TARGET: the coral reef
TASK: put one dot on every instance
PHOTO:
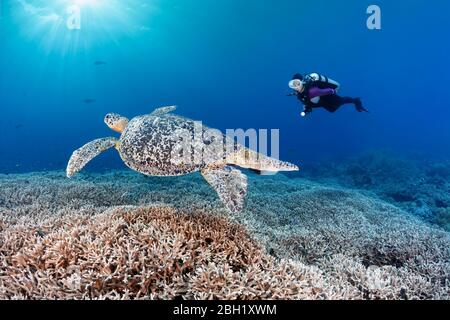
(122, 235)
(419, 187)
(133, 253)
(373, 249)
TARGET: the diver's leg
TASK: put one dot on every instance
(333, 102)
(357, 102)
(331, 108)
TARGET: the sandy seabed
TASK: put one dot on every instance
(122, 235)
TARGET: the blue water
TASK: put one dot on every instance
(226, 63)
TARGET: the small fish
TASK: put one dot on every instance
(99, 63)
(18, 126)
(89, 101)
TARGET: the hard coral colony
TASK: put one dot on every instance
(106, 236)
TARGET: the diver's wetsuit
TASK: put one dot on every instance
(332, 102)
(320, 92)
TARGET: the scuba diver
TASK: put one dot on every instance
(318, 91)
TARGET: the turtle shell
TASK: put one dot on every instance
(171, 145)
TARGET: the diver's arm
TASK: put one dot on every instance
(306, 110)
(317, 92)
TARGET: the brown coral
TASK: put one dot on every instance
(153, 252)
(105, 236)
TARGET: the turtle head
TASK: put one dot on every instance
(116, 122)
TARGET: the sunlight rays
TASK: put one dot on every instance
(93, 21)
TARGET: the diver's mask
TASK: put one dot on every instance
(296, 85)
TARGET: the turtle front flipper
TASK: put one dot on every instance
(162, 111)
(230, 184)
(88, 152)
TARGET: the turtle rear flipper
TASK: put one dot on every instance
(258, 162)
(86, 153)
(230, 184)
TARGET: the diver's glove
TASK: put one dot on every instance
(306, 111)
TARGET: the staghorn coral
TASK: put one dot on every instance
(135, 253)
(419, 187)
(115, 236)
(327, 227)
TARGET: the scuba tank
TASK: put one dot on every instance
(316, 80)
(321, 81)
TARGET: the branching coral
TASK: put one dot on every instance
(327, 227)
(153, 252)
(419, 187)
(125, 236)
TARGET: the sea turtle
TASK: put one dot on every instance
(165, 144)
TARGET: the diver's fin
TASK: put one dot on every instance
(230, 184)
(88, 152)
(246, 158)
(359, 106)
(164, 110)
